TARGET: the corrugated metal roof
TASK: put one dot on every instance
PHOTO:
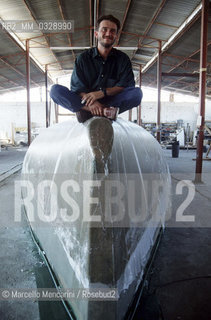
(145, 23)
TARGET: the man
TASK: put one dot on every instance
(102, 83)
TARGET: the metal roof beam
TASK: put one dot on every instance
(2, 91)
(181, 30)
(151, 23)
(123, 21)
(165, 25)
(15, 69)
(141, 36)
(193, 85)
(182, 91)
(154, 18)
(181, 58)
(174, 82)
(69, 38)
(177, 74)
(34, 18)
(181, 62)
(184, 83)
(83, 48)
(13, 82)
(21, 46)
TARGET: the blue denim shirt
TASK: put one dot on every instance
(93, 73)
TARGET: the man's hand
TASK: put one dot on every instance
(96, 109)
(91, 97)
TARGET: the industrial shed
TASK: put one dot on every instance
(168, 43)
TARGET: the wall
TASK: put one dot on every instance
(171, 112)
(15, 112)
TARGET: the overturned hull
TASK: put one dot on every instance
(100, 196)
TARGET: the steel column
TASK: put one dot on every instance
(56, 112)
(130, 115)
(139, 107)
(158, 91)
(94, 42)
(56, 108)
(49, 112)
(202, 86)
(28, 92)
(46, 97)
(90, 22)
(97, 10)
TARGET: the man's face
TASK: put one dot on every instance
(106, 33)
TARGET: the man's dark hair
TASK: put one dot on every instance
(110, 18)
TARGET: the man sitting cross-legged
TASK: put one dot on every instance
(102, 83)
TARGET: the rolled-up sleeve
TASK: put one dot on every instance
(78, 81)
(126, 76)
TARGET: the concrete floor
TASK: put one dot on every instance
(10, 161)
(20, 263)
(180, 279)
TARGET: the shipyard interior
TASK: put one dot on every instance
(159, 266)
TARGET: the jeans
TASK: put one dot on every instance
(127, 99)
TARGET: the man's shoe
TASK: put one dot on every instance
(111, 113)
(101, 135)
(83, 115)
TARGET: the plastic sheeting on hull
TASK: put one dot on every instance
(100, 196)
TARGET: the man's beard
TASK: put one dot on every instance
(106, 45)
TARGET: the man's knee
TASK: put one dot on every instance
(134, 94)
(138, 94)
(57, 90)
(54, 90)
